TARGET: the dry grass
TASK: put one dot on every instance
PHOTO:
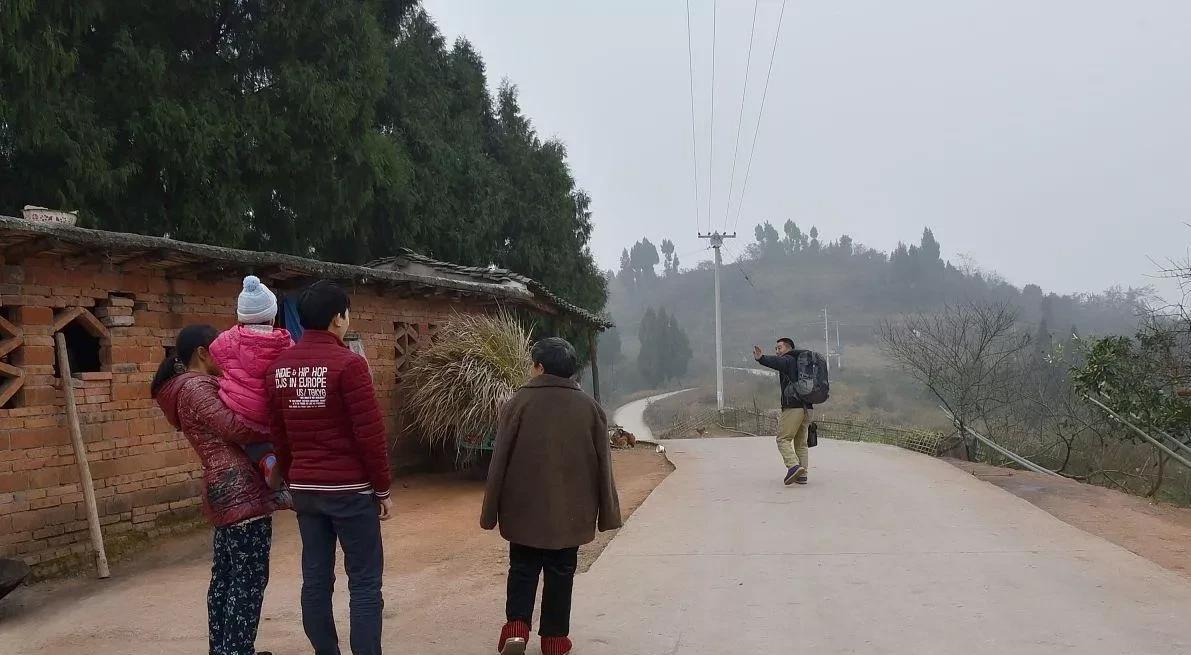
(457, 384)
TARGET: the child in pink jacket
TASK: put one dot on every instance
(244, 353)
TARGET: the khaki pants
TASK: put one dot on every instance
(791, 436)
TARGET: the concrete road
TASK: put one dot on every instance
(632, 416)
(884, 551)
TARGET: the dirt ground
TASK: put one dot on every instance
(444, 582)
(1158, 532)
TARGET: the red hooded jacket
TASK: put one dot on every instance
(327, 427)
(233, 489)
(245, 353)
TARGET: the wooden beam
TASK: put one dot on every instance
(65, 317)
(172, 263)
(9, 345)
(272, 272)
(221, 272)
(10, 385)
(11, 330)
(80, 455)
(18, 253)
(11, 372)
(595, 365)
(184, 269)
(138, 254)
(75, 258)
(92, 325)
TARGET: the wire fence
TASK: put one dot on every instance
(844, 428)
(694, 424)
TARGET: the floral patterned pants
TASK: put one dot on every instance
(239, 574)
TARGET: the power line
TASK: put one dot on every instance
(711, 133)
(766, 301)
(684, 255)
(694, 149)
(765, 91)
(747, 277)
(740, 119)
(694, 252)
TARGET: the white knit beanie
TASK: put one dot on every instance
(256, 305)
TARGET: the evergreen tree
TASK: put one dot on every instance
(793, 240)
(769, 243)
(221, 123)
(678, 347)
(845, 245)
(930, 250)
(626, 267)
(651, 334)
(1043, 339)
(899, 263)
(610, 354)
(665, 348)
(668, 251)
(241, 124)
(643, 258)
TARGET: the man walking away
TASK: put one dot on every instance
(549, 485)
(796, 415)
(331, 448)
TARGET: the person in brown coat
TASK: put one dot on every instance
(550, 485)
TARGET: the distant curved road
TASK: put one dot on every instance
(631, 417)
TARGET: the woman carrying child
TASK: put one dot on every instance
(236, 499)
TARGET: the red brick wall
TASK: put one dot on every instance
(146, 476)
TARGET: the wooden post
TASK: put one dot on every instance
(80, 455)
(595, 365)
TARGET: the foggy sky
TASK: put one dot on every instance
(1048, 140)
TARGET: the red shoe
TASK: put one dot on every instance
(556, 645)
(513, 638)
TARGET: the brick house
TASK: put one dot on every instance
(119, 300)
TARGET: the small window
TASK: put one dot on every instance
(82, 350)
(86, 341)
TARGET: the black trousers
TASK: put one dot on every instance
(526, 565)
(351, 520)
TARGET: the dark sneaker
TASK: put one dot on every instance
(801, 479)
(793, 473)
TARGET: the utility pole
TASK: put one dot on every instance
(839, 352)
(826, 339)
(717, 242)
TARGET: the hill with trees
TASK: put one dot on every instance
(779, 284)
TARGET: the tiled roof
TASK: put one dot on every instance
(20, 239)
(490, 274)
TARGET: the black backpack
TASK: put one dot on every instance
(810, 385)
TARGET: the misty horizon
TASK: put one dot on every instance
(1047, 143)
